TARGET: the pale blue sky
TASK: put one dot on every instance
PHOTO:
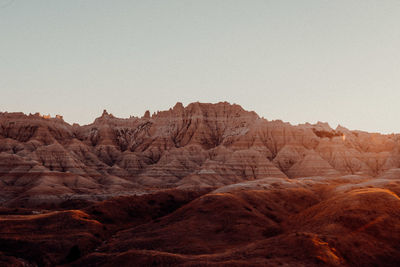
(299, 61)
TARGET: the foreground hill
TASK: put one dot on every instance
(268, 222)
(205, 184)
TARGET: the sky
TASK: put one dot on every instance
(298, 61)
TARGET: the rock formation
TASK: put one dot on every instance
(201, 145)
(205, 183)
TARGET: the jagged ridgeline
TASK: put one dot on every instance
(46, 160)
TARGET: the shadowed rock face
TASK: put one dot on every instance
(196, 185)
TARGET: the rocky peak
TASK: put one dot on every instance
(105, 114)
(146, 115)
(105, 117)
(178, 106)
(322, 126)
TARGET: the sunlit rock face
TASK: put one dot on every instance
(200, 145)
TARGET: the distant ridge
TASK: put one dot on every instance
(200, 145)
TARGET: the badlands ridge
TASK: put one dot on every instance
(205, 184)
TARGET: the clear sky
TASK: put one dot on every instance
(299, 61)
